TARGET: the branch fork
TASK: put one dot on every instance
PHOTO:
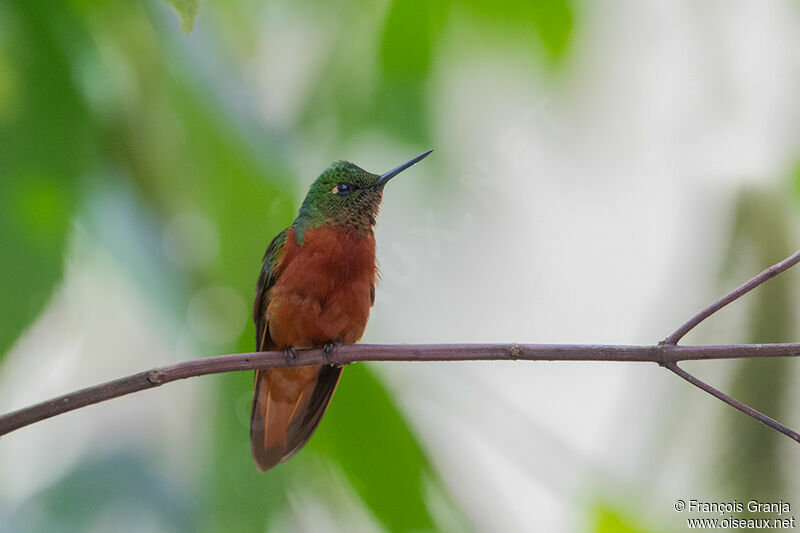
(678, 334)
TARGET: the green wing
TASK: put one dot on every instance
(266, 280)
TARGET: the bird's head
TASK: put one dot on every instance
(347, 195)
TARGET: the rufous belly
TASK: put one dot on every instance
(323, 291)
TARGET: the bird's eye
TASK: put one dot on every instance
(343, 189)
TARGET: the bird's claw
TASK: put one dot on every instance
(327, 352)
(291, 355)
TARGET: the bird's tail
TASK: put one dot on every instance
(287, 406)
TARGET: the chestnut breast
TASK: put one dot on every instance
(323, 290)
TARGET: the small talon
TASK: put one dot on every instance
(291, 355)
(327, 351)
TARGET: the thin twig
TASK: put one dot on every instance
(769, 273)
(384, 352)
(746, 409)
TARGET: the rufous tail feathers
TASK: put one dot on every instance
(287, 406)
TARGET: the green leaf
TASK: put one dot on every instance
(552, 22)
(411, 32)
(35, 208)
(187, 10)
(46, 134)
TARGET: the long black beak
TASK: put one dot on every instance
(395, 171)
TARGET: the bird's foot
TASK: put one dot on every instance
(327, 351)
(291, 355)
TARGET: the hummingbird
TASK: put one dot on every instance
(316, 288)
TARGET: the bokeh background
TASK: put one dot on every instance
(602, 171)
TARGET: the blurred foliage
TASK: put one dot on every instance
(796, 182)
(111, 116)
(187, 10)
(761, 232)
(609, 519)
(352, 97)
(41, 165)
(104, 492)
(552, 20)
(413, 27)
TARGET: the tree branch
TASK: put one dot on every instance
(666, 354)
(663, 355)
